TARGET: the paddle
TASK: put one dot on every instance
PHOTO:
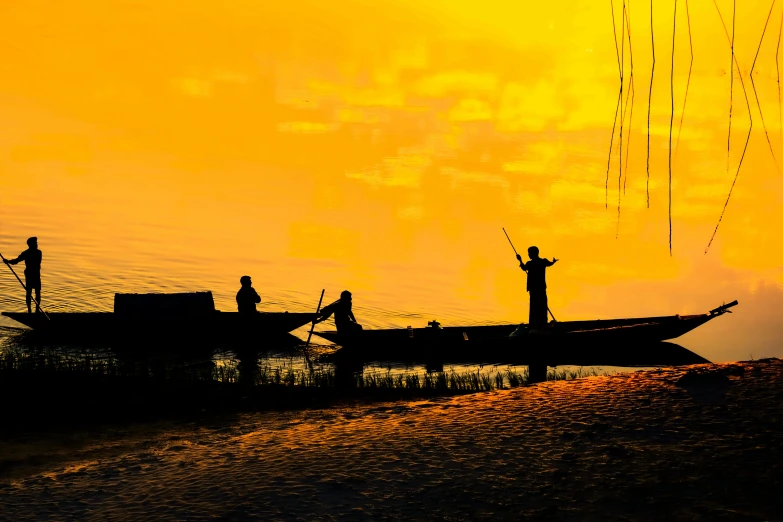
(38, 304)
(520, 260)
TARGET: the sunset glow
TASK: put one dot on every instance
(381, 146)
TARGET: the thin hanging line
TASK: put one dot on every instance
(777, 67)
(631, 95)
(616, 110)
(649, 100)
(747, 139)
(671, 125)
(756, 94)
(622, 81)
(731, 84)
(688, 83)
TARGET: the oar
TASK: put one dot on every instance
(515, 251)
(37, 303)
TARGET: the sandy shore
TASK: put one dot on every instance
(665, 444)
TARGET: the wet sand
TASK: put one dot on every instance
(688, 443)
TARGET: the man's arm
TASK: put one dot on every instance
(256, 297)
(521, 263)
(550, 263)
(15, 261)
(325, 313)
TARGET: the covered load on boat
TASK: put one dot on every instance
(191, 304)
(174, 316)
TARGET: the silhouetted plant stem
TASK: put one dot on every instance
(622, 80)
(671, 125)
(688, 83)
(649, 100)
(616, 110)
(756, 94)
(631, 95)
(750, 128)
(731, 84)
(777, 68)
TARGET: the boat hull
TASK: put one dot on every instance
(621, 342)
(212, 327)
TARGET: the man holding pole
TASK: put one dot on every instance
(536, 285)
(32, 272)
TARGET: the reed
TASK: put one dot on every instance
(565, 374)
(96, 388)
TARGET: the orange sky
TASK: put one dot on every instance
(381, 146)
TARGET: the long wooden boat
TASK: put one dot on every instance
(163, 317)
(618, 342)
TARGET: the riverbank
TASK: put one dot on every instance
(688, 443)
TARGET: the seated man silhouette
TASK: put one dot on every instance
(344, 319)
(32, 272)
(536, 285)
(247, 297)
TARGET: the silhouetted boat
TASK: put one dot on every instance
(190, 316)
(618, 342)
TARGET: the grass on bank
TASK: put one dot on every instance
(56, 385)
(106, 367)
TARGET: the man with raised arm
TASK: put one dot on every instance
(32, 272)
(536, 285)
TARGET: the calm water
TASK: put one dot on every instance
(161, 147)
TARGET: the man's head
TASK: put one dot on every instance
(245, 281)
(345, 295)
(532, 252)
(32, 242)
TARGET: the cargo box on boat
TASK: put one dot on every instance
(173, 320)
(164, 305)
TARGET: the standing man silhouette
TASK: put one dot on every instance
(32, 272)
(536, 285)
(247, 297)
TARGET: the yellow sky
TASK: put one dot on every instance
(382, 145)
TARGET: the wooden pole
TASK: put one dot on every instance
(307, 355)
(316, 315)
(509, 241)
(37, 303)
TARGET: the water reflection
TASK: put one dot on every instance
(285, 363)
(385, 162)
